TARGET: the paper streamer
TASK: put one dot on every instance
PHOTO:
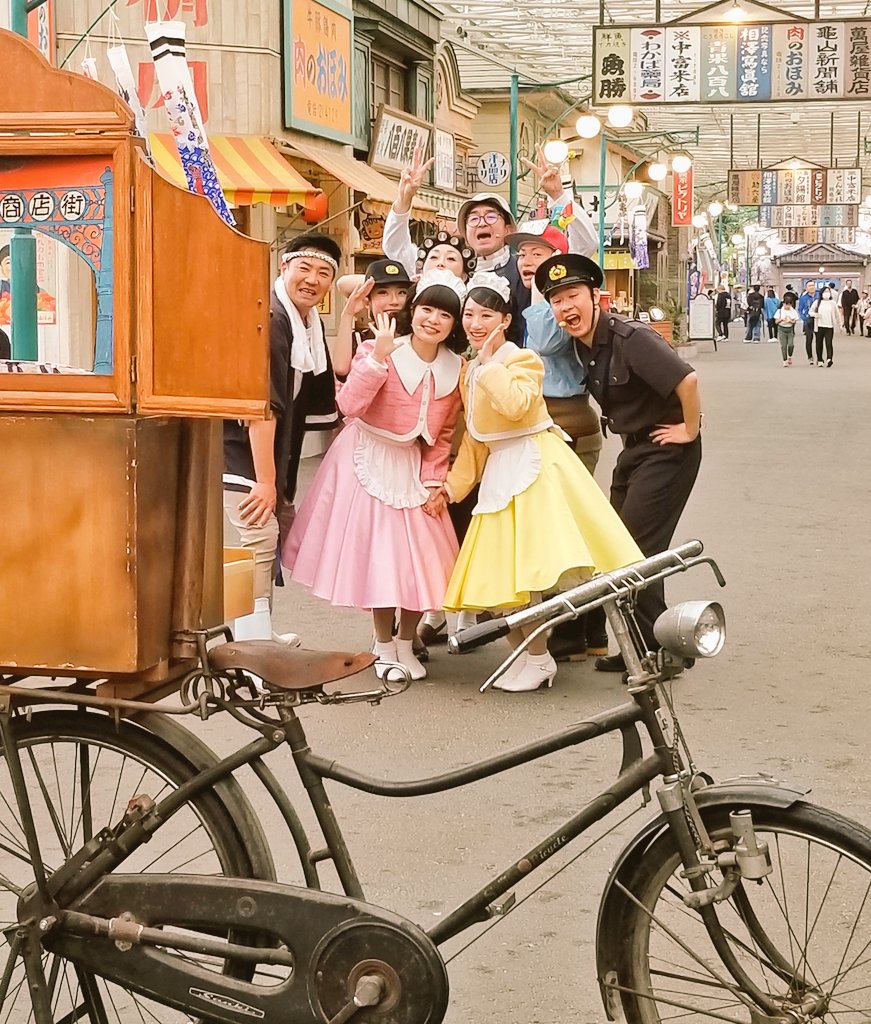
(119, 61)
(167, 42)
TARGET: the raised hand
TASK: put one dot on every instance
(494, 340)
(384, 330)
(548, 175)
(358, 300)
(411, 179)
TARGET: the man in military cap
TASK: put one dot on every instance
(648, 395)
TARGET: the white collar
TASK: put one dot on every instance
(495, 261)
(411, 369)
(506, 349)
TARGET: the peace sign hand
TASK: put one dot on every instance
(385, 337)
(494, 340)
(411, 179)
(549, 179)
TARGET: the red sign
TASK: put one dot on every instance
(167, 10)
(682, 199)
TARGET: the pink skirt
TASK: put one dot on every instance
(355, 551)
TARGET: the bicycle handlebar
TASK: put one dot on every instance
(597, 590)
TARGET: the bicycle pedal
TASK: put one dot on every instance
(503, 907)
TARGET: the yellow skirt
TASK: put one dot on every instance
(562, 523)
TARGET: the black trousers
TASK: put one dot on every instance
(849, 318)
(650, 488)
(723, 321)
(825, 336)
(809, 337)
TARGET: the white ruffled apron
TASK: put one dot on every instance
(512, 465)
(389, 470)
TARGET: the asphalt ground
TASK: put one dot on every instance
(782, 503)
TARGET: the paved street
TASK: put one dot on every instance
(782, 503)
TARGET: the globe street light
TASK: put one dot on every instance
(555, 151)
(681, 163)
(657, 171)
(715, 209)
(737, 239)
(700, 220)
(588, 126)
(620, 116)
(633, 189)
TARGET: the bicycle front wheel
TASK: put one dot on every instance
(802, 935)
(81, 770)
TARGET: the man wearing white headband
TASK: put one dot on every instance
(261, 458)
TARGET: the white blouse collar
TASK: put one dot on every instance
(506, 349)
(411, 369)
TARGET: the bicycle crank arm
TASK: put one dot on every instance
(324, 944)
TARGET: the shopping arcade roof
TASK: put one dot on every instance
(551, 40)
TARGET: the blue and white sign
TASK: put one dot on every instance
(493, 168)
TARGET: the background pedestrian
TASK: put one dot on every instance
(786, 318)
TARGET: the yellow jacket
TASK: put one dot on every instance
(502, 400)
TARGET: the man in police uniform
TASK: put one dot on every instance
(649, 396)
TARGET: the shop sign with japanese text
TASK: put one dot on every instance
(395, 137)
(800, 186)
(725, 63)
(808, 236)
(809, 216)
(682, 199)
(317, 55)
(445, 167)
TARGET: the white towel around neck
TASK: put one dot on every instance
(305, 356)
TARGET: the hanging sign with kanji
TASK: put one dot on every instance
(796, 186)
(682, 199)
(726, 63)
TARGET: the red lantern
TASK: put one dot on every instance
(316, 207)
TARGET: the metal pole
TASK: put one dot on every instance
(22, 252)
(603, 152)
(513, 112)
(720, 241)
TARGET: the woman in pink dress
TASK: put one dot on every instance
(361, 538)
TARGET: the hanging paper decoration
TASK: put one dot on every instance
(561, 216)
(167, 42)
(640, 255)
(89, 68)
(119, 61)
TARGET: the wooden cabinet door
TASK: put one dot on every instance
(201, 325)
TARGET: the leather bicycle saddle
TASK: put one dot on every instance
(284, 668)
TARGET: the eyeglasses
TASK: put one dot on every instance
(474, 219)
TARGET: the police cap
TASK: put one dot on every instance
(561, 270)
(388, 272)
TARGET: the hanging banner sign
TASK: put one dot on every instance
(808, 216)
(723, 63)
(638, 245)
(803, 186)
(808, 236)
(682, 199)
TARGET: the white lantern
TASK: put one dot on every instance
(555, 151)
(620, 116)
(588, 126)
(633, 189)
(715, 209)
(657, 171)
(681, 163)
(700, 220)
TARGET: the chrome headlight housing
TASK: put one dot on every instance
(693, 629)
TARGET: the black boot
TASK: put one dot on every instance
(611, 663)
(567, 641)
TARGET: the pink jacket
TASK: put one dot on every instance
(407, 398)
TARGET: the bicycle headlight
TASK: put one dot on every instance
(694, 629)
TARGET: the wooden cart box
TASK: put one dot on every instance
(110, 473)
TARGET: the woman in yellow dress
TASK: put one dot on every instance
(541, 523)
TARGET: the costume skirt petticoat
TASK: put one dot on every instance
(355, 551)
(548, 537)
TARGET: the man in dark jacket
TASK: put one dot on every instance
(755, 306)
(724, 311)
(261, 458)
(849, 301)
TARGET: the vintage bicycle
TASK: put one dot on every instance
(137, 884)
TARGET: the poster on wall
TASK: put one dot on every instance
(46, 281)
(317, 53)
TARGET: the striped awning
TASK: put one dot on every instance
(250, 169)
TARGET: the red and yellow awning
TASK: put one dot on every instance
(250, 169)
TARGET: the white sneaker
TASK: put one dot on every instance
(288, 639)
(406, 657)
(538, 671)
(511, 672)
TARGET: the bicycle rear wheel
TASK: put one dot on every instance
(802, 935)
(81, 769)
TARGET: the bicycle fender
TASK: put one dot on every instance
(189, 746)
(746, 791)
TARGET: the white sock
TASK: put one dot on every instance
(434, 619)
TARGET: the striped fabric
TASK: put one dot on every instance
(250, 169)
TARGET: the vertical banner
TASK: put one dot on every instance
(719, 55)
(682, 70)
(119, 62)
(769, 188)
(789, 61)
(167, 42)
(612, 62)
(640, 255)
(857, 69)
(754, 62)
(827, 60)
(648, 64)
(682, 199)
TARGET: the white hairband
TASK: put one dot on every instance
(446, 278)
(317, 254)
